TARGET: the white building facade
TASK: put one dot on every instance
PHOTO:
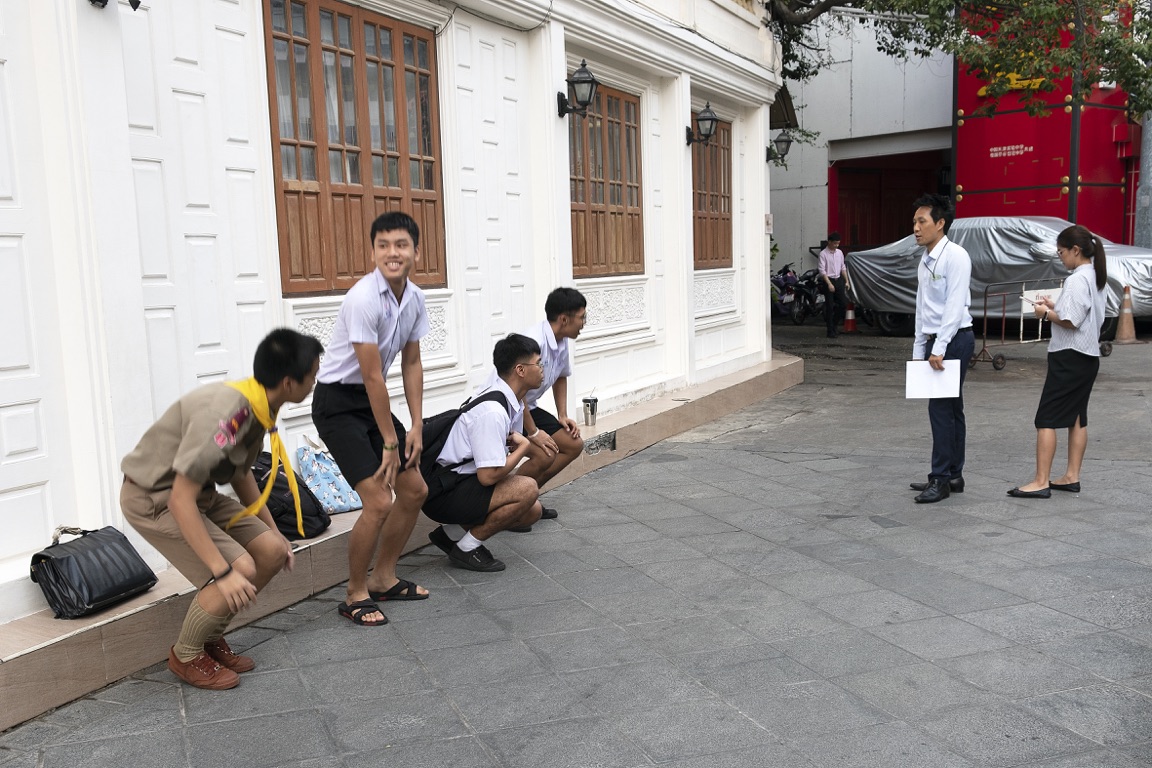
(177, 180)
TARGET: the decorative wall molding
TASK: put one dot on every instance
(715, 292)
(648, 40)
(320, 327)
(436, 341)
(422, 14)
(616, 305)
(315, 316)
(519, 14)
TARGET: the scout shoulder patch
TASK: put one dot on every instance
(230, 427)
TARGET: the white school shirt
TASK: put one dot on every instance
(942, 297)
(555, 355)
(479, 438)
(1082, 304)
(370, 314)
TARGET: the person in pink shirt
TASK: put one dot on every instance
(835, 283)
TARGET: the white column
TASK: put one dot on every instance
(81, 90)
(754, 231)
(680, 341)
(548, 158)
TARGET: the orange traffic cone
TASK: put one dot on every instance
(1125, 327)
(850, 318)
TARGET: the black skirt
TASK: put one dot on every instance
(1067, 388)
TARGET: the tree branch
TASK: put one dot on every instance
(798, 14)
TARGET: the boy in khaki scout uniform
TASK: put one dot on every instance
(211, 436)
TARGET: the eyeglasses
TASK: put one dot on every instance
(541, 365)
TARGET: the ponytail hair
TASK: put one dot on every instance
(1090, 245)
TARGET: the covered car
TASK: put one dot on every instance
(1004, 250)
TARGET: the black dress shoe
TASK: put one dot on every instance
(1070, 487)
(1043, 493)
(955, 485)
(520, 529)
(549, 514)
(936, 490)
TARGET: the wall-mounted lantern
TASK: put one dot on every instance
(705, 126)
(583, 86)
(783, 143)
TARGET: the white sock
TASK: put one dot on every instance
(468, 543)
(454, 532)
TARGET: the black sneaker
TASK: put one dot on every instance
(441, 540)
(548, 514)
(479, 559)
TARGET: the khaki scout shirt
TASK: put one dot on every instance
(210, 434)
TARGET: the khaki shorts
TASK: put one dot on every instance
(147, 512)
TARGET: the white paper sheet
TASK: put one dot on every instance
(922, 381)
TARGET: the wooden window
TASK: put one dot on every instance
(712, 199)
(355, 131)
(604, 163)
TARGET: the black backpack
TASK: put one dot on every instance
(316, 519)
(437, 428)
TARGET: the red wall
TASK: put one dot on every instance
(1013, 164)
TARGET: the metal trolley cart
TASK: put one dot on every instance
(1012, 295)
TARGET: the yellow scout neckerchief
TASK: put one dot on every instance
(258, 398)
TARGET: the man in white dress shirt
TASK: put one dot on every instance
(943, 332)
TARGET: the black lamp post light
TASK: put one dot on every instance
(783, 142)
(583, 86)
(705, 126)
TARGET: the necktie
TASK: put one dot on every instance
(258, 399)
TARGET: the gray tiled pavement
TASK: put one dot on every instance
(758, 592)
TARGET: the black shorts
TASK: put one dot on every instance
(1067, 388)
(545, 422)
(343, 417)
(457, 498)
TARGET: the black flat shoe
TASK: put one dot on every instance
(1043, 493)
(1070, 487)
(955, 485)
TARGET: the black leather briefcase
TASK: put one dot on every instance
(90, 573)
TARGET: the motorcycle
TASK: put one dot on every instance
(783, 290)
(809, 298)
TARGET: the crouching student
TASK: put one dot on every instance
(473, 492)
(211, 436)
(556, 440)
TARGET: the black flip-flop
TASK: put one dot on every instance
(401, 590)
(355, 612)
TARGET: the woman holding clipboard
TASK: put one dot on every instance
(1073, 361)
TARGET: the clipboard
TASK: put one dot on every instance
(922, 382)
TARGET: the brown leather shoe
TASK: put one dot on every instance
(226, 657)
(203, 672)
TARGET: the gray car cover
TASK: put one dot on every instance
(1016, 250)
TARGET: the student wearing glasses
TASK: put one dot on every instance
(1073, 361)
(474, 493)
